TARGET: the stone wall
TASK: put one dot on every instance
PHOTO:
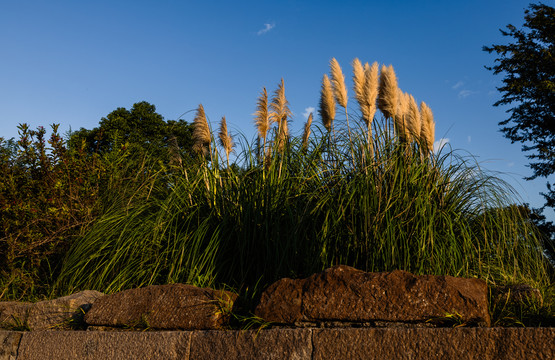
(345, 343)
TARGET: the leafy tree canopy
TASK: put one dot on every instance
(141, 129)
(528, 63)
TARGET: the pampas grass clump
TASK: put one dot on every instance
(315, 203)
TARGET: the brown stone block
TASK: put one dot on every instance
(13, 314)
(9, 343)
(47, 314)
(174, 306)
(265, 344)
(440, 343)
(342, 293)
(93, 345)
(59, 312)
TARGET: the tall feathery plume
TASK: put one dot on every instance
(306, 132)
(280, 113)
(338, 81)
(427, 133)
(262, 118)
(174, 152)
(414, 125)
(388, 92)
(359, 82)
(327, 103)
(401, 115)
(201, 133)
(280, 106)
(371, 81)
(370, 92)
(340, 91)
(226, 141)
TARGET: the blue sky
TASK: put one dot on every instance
(73, 62)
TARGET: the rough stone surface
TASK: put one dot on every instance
(60, 345)
(515, 294)
(48, 314)
(174, 306)
(9, 344)
(13, 314)
(348, 343)
(444, 343)
(293, 344)
(60, 312)
(342, 293)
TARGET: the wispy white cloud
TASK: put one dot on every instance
(438, 144)
(466, 93)
(469, 138)
(457, 85)
(267, 27)
(307, 111)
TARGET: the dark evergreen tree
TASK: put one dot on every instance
(528, 64)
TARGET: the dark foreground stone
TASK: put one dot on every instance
(49, 314)
(517, 294)
(349, 343)
(174, 306)
(264, 344)
(441, 343)
(9, 344)
(343, 293)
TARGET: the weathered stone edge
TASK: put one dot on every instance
(348, 343)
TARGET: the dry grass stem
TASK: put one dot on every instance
(427, 133)
(327, 103)
(201, 132)
(338, 81)
(225, 138)
(388, 92)
(306, 132)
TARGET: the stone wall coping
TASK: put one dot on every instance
(284, 343)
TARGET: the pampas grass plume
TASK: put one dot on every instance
(201, 131)
(261, 116)
(280, 106)
(338, 81)
(306, 132)
(388, 92)
(327, 103)
(225, 138)
(358, 81)
(401, 114)
(413, 118)
(427, 133)
(370, 91)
